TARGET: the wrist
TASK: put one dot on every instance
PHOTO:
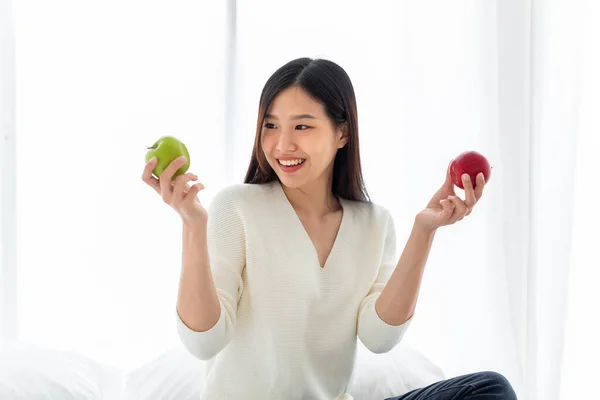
(422, 229)
(195, 229)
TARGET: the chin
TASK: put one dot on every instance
(290, 182)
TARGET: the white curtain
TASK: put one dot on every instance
(510, 288)
(98, 253)
(581, 353)
(8, 293)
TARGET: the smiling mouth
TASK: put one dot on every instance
(291, 163)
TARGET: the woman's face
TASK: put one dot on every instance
(299, 140)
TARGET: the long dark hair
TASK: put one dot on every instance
(329, 84)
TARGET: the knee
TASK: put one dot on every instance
(498, 383)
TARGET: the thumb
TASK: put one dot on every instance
(449, 183)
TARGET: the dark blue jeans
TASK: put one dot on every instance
(487, 385)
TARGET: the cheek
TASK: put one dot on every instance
(267, 143)
(324, 152)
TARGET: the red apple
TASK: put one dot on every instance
(472, 163)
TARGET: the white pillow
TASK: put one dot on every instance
(379, 376)
(177, 375)
(29, 372)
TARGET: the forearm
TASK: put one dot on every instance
(197, 301)
(397, 302)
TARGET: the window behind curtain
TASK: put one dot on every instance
(98, 251)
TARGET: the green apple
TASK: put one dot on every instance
(167, 149)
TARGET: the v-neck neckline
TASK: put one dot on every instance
(306, 237)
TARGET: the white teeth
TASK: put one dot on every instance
(289, 163)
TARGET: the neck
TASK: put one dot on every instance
(316, 198)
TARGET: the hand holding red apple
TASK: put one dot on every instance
(468, 171)
(472, 163)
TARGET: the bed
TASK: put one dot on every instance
(32, 372)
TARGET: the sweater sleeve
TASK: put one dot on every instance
(373, 332)
(227, 256)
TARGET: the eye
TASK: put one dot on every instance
(269, 125)
(302, 129)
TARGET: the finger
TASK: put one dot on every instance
(180, 186)
(166, 178)
(447, 210)
(479, 185)
(147, 175)
(460, 208)
(193, 192)
(470, 199)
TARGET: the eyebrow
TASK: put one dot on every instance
(300, 116)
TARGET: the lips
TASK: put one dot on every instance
(291, 162)
(290, 165)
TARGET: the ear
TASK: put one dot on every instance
(342, 136)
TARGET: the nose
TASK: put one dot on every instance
(286, 141)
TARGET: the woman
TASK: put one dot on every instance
(287, 270)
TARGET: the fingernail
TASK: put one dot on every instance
(152, 160)
(465, 177)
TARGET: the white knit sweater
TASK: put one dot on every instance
(288, 328)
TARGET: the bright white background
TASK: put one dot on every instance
(512, 288)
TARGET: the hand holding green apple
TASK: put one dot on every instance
(168, 160)
(166, 149)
